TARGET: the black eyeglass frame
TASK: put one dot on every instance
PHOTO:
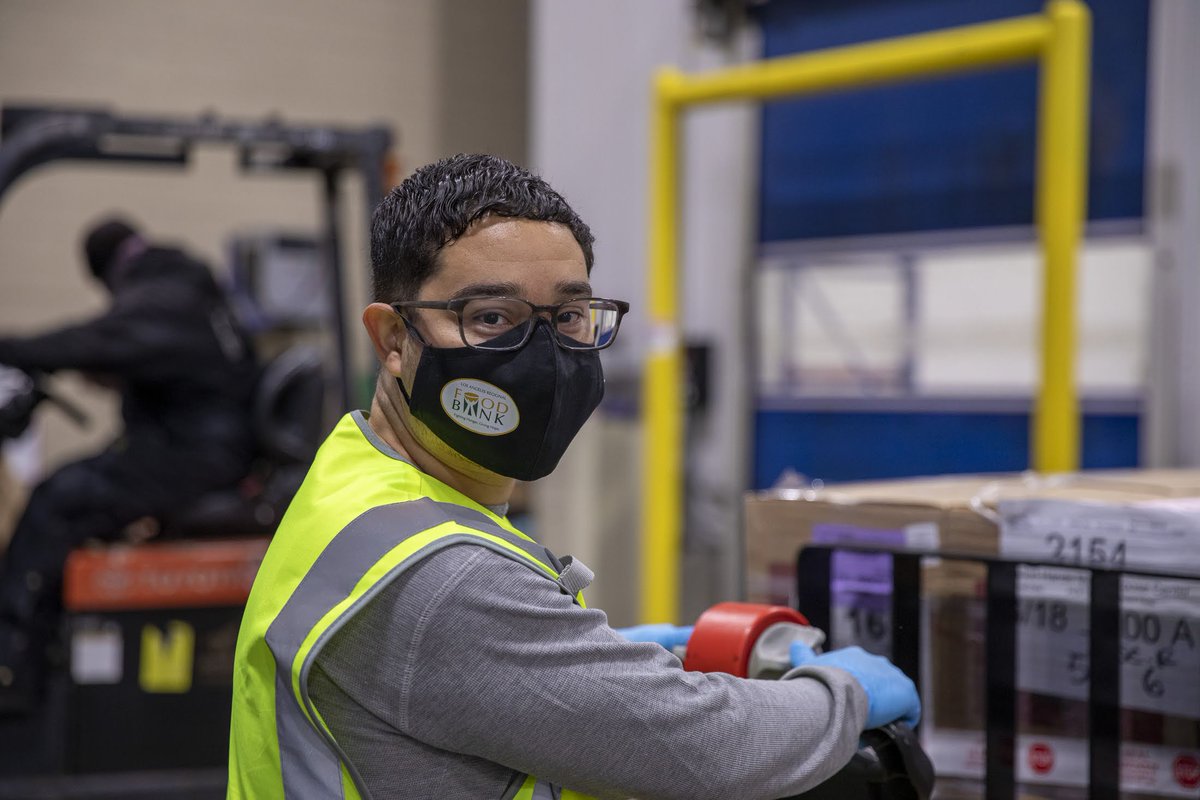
(457, 304)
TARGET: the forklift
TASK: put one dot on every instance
(138, 695)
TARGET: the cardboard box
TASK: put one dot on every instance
(1139, 517)
(961, 509)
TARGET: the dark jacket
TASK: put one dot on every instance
(185, 370)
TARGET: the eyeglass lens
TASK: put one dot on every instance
(580, 324)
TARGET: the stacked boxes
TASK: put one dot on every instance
(1135, 519)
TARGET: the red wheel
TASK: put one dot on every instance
(725, 635)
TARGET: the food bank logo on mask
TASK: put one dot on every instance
(480, 407)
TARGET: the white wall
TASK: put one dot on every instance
(592, 64)
(978, 319)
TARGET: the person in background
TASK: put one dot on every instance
(185, 372)
(404, 639)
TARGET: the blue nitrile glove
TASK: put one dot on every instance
(669, 636)
(890, 693)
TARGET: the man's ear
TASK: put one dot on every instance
(388, 335)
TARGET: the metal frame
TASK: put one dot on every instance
(803, 289)
(1059, 40)
(33, 136)
(813, 573)
(1171, 427)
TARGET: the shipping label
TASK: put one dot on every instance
(1159, 617)
(1058, 761)
(1160, 535)
(97, 651)
(861, 590)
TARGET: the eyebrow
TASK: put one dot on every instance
(564, 288)
(575, 288)
(487, 290)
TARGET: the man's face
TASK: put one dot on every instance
(536, 261)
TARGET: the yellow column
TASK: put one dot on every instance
(662, 385)
(1061, 211)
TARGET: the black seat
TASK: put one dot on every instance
(288, 414)
(289, 406)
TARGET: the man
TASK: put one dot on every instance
(404, 640)
(186, 374)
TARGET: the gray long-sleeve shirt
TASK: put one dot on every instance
(470, 667)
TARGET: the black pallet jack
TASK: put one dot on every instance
(752, 641)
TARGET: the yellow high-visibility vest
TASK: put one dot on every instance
(360, 519)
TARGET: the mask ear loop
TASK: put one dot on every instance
(411, 331)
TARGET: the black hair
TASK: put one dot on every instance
(102, 241)
(438, 203)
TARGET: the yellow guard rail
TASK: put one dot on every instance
(1059, 40)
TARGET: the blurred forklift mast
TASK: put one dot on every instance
(31, 136)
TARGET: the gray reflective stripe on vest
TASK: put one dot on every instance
(308, 766)
(307, 762)
(573, 575)
(480, 521)
(541, 789)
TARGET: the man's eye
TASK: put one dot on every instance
(490, 319)
(569, 318)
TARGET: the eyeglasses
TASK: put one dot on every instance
(585, 323)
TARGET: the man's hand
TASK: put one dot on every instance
(669, 636)
(891, 695)
(142, 530)
(18, 398)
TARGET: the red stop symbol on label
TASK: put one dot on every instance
(1041, 758)
(1187, 771)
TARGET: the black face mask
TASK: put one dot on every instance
(511, 412)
